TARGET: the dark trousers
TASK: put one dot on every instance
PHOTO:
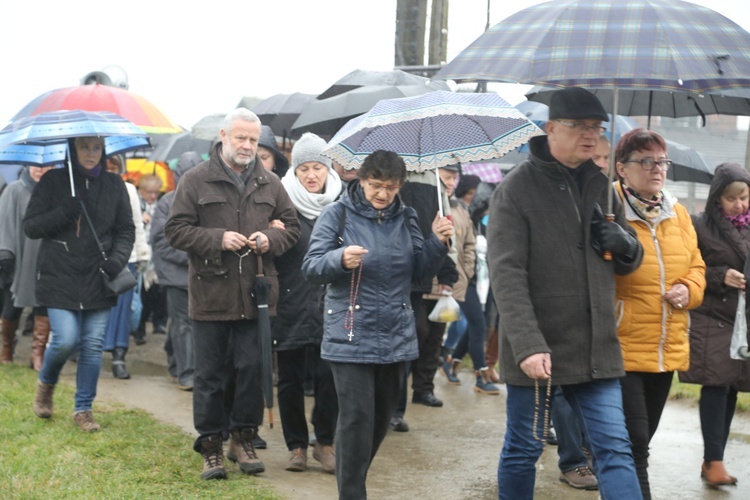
(430, 338)
(154, 308)
(211, 341)
(473, 340)
(416, 306)
(180, 335)
(367, 395)
(291, 397)
(717, 407)
(643, 398)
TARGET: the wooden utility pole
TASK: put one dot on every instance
(411, 21)
(438, 33)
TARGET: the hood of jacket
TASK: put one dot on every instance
(267, 139)
(725, 174)
(187, 161)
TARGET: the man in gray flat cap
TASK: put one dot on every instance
(555, 293)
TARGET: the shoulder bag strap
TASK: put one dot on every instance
(91, 225)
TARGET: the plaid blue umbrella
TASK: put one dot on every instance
(433, 130)
(652, 44)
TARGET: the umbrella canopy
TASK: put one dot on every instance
(169, 150)
(326, 117)
(43, 139)
(261, 290)
(652, 44)
(361, 78)
(96, 97)
(281, 110)
(647, 102)
(434, 130)
(486, 171)
(207, 128)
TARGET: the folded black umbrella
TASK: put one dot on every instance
(261, 290)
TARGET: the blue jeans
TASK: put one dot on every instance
(456, 332)
(70, 329)
(598, 406)
(569, 436)
(117, 332)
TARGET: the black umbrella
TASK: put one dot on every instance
(172, 147)
(261, 289)
(361, 78)
(281, 110)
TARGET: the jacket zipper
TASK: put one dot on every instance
(662, 286)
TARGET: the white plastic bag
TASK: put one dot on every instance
(446, 310)
(482, 271)
(738, 347)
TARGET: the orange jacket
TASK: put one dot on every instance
(653, 335)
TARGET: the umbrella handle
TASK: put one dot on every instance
(258, 252)
(270, 418)
(607, 255)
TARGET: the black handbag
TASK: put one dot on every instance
(121, 283)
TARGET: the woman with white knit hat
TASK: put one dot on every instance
(312, 185)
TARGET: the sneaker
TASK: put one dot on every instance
(398, 424)
(447, 370)
(483, 385)
(581, 478)
(297, 461)
(426, 398)
(326, 455)
(242, 452)
(85, 421)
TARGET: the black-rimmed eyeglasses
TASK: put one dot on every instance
(649, 163)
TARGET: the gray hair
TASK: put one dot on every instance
(239, 114)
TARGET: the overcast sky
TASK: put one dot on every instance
(196, 58)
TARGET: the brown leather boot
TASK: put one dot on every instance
(43, 399)
(212, 452)
(491, 354)
(39, 344)
(715, 474)
(242, 452)
(9, 336)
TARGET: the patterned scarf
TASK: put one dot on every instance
(740, 221)
(647, 210)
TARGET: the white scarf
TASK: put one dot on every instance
(311, 204)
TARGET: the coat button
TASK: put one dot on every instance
(242, 315)
(723, 299)
(721, 324)
(330, 311)
(593, 370)
(356, 307)
(562, 187)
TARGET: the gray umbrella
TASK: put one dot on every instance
(360, 78)
(325, 117)
(207, 128)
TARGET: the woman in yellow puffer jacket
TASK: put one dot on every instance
(653, 302)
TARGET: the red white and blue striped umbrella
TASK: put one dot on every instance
(633, 44)
(433, 130)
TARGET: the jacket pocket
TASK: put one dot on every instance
(212, 210)
(336, 324)
(210, 287)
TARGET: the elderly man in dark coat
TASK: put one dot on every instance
(555, 295)
(220, 208)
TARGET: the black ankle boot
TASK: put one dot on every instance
(118, 363)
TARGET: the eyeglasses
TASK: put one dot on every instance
(582, 128)
(649, 163)
(377, 187)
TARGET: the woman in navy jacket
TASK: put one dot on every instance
(367, 247)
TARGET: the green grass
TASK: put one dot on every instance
(133, 456)
(693, 391)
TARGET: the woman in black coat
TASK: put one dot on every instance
(70, 267)
(312, 185)
(724, 240)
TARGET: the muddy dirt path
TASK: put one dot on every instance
(450, 452)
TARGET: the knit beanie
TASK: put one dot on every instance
(308, 148)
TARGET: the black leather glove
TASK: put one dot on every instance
(611, 236)
(72, 207)
(111, 268)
